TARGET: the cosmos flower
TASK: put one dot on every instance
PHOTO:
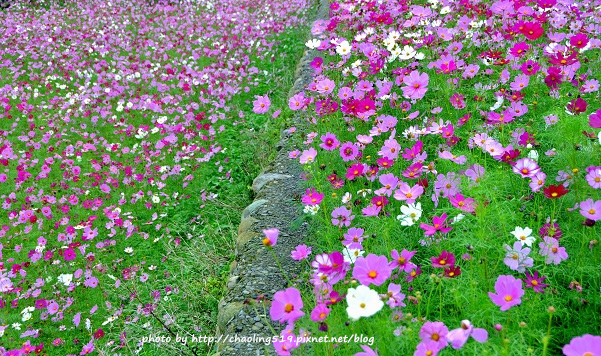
(458, 337)
(372, 269)
(362, 302)
(286, 306)
(261, 105)
(583, 345)
(508, 292)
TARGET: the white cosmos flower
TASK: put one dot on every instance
(65, 279)
(362, 302)
(407, 53)
(351, 255)
(343, 48)
(523, 235)
(410, 214)
(533, 155)
(498, 104)
(346, 197)
(312, 44)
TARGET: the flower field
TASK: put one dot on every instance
(452, 158)
(453, 173)
(121, 124)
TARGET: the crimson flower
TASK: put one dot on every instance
(555, 191)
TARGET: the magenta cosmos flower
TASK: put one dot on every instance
(444, 260)
(417, 85)
(312, 197)
(458, 337)
(329, 142)
(286, 306)
(509, 292)
(589, 345)
(372, 269)
(439, 225)
(261, 105)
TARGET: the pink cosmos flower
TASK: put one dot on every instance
(301, 252)
(286, 306)
(320, 312)
(372, 269)
(550, 248)
(517, 257)
(261, 105)
(341, 216)
(526, 167)
(579, 40)
(462, 203)
(325, 86)
(402, 260)
(297, 101)
(271, 237)
(508, 292)
(389, 182)
(535, 282)
(520, 82)
(407, 193)
(308, 156)
(593, 178)
(439, 225)
(348, 151)
(417, 85)
(591, 209)
(583, 345)
(367, 351)
(394, 295)
(52, 308)
(458, 337)
(329, 142)
(353, 238)
(428, 348)
(434, 331)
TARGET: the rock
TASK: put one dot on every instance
(263, 179)
(249, 210)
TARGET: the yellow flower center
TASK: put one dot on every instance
(288, 308)
(372, 274)
(508, 298)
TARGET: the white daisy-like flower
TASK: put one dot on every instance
(410, 214)
(128, 250)
(362, 302)
(346, 197)
(343, 48)
(523, 235)
(65, 279)
(351, 255)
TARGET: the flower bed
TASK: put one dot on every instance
(453, 181)
(115, 123)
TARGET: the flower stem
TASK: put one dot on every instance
(277, 260)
